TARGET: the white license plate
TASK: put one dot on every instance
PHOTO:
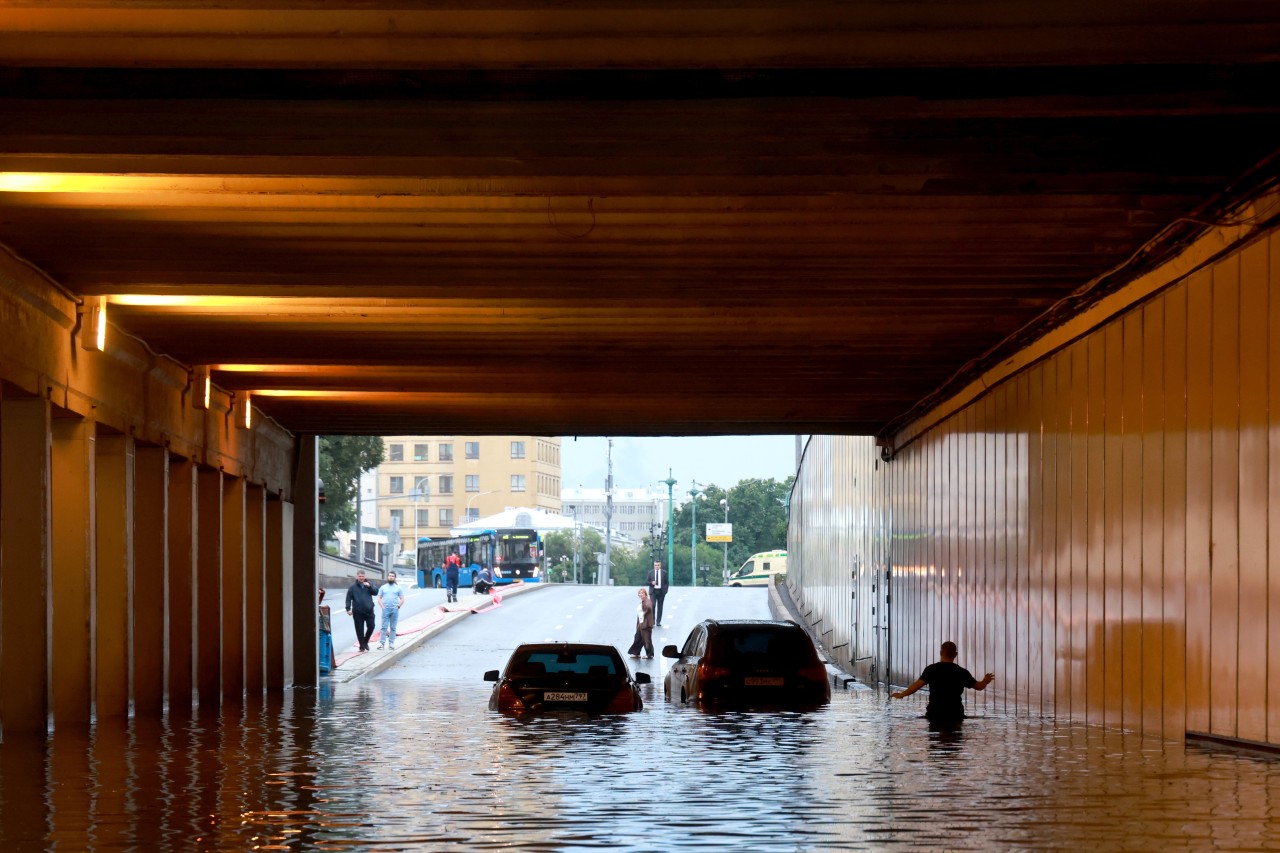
(763, 682)
(552, 696)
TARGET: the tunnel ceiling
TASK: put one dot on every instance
(616, 218)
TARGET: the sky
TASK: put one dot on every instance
(638, 462)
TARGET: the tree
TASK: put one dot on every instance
(343, 458)
(758, 512)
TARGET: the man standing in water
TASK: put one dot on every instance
(946, 680)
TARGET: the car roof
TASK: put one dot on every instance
(559, 647)
(752, 624)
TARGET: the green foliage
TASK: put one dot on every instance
(758, 513)
(342, 459)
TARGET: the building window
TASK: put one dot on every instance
(446, 517)
(446, 484)
(473, 449)
(473, 513)
(420, 453)
(517, 450)
(517, 482)
(473, 482)
(395, 485)
(397, 518)
(395, 452)
(424, 518)
(422, 487)
(446, 453)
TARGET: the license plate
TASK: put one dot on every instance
(763, 682)
(552, 696)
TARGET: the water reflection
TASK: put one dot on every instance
(411, 765)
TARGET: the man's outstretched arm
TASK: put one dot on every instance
(915, 685)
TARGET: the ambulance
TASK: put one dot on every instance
(758, 568)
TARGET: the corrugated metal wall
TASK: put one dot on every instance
(1097, 530)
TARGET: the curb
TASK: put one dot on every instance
(413, 632)
(781, 608)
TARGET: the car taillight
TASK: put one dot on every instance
(707, 672)
(815, 672)
(622, 702)
(509, 700)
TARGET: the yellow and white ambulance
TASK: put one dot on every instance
(758, 568)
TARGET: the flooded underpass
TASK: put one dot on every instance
(413, 760)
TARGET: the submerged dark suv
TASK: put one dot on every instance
(747, 662)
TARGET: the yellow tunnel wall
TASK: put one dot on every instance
(1099, 529)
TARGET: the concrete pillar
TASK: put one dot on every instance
(25, 563)
(277, 544)
(254, 591)
(306, 530)
(150, 572)
(113, 493)
(180, 657)
(73, 556)
(233, 573)
(208, 588)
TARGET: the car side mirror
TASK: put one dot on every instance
(670, 652)
(491, 675)
(642, 678)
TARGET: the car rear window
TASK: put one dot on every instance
(585, 663)
(770, 643)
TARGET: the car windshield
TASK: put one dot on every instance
(552, 662)
(728, 645)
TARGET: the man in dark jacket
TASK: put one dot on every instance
(360, 608)
(657, 590)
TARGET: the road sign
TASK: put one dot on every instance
(719, 532)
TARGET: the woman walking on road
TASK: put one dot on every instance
(644, 626)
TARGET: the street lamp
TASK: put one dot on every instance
(694, 491)
(724, 504)
(671, 553)
(473, 497)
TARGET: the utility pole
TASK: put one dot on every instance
(606, 571)
(694, 491)
(671, 545)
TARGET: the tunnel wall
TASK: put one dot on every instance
(1100, 526)
(142, 556)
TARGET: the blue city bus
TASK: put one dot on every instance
(512, 553)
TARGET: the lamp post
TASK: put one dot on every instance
(671, 553)
(694, 491)
(473, 497)
(724, 504)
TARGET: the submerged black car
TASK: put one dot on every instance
(747, 662)
(542, 677)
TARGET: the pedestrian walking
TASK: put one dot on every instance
(452, 566)
(360, 608)
(390, 599)
(657, 591)
(644, 626)
(946, 681)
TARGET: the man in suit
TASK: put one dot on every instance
(657, 590)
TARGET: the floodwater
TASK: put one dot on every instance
(404, 764)
(413, 760)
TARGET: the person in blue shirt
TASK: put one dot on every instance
(946, 681)
(390, 599)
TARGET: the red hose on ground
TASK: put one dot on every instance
(437, 615)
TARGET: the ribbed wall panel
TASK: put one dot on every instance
(1096, 529)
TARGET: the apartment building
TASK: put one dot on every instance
(429, 484)
(637, 513)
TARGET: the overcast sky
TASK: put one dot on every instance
(640, 462)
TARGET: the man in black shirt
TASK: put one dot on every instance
(360, 608)
(946, 681)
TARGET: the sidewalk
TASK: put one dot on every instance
(415, 629)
